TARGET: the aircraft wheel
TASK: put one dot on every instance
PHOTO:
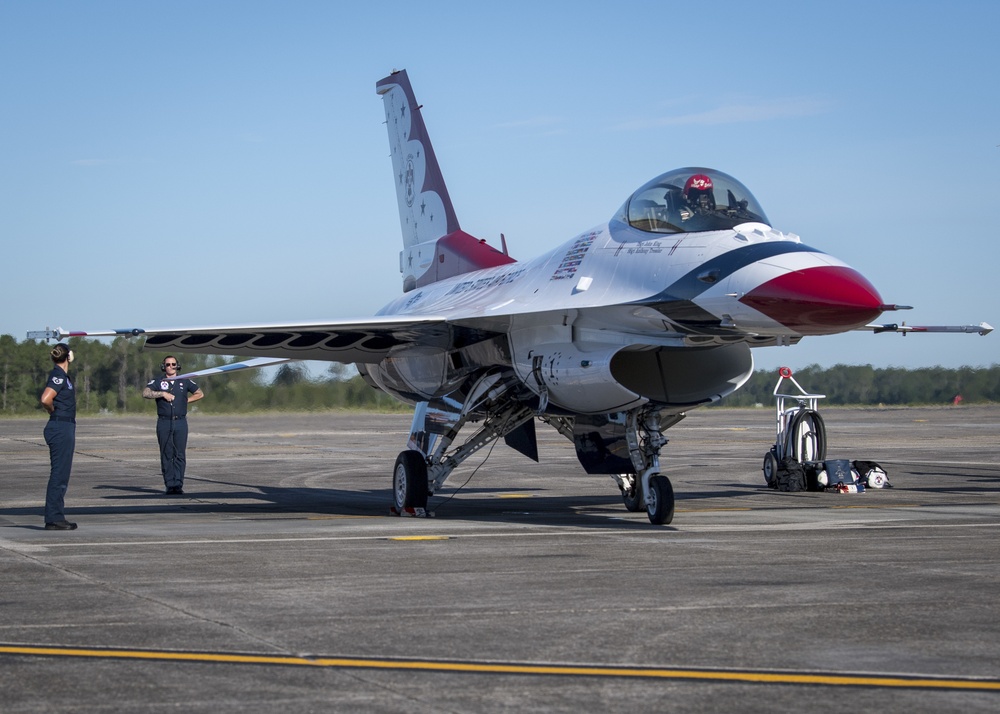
(660, 504)
(633, 496)
(409, 481)
(770, 469)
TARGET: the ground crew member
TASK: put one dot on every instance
(59, 400)
(171, 395)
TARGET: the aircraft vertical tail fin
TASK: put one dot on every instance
(434, 245)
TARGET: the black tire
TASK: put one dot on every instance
(633, 497)
(409, 481)
(660, 505)
(770, 469)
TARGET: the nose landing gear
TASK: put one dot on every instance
(643, 431)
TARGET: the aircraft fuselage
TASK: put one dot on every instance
(590, 321)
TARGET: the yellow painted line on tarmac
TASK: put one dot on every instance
(746, 676)
(516, 495)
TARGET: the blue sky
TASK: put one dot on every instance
(202, 163)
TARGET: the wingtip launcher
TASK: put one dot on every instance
(983, 328)
(59, 333)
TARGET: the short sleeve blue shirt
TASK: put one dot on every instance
(64, 403)
(180, 388)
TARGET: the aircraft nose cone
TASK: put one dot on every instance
(817, 301)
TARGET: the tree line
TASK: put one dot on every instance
(866, 385)
(110, 377)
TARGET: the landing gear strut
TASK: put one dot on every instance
(631, 492)
(643, 431)
(423, 468)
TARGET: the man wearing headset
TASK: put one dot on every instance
(171, 395)
(59, 400)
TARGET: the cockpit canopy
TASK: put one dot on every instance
(690, 200)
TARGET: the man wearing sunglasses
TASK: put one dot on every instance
(171, 395)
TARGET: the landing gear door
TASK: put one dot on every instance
(601, 444)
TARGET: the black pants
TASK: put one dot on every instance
(61, 438)
(173, 437)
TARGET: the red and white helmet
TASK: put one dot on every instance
(700, 183)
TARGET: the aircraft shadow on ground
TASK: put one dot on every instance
(514, 505)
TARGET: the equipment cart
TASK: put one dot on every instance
(801, 434)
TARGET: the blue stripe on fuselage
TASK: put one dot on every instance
(688, 287)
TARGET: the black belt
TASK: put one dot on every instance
(173, 418)
(71, 420)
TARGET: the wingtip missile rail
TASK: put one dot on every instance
(983, 328)
(59, 333)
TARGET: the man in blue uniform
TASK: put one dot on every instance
(59, 400)
(171, 395)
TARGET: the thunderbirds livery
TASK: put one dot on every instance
(609, 338)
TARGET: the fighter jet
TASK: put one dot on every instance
(610, 338)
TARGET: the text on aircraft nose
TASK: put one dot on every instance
(817, 301)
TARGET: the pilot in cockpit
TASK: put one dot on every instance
(684, 201)
(699, 196)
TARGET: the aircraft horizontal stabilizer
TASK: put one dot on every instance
(255, 363)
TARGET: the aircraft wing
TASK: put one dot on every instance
(350, 341)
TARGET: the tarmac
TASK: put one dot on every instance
(279, 580)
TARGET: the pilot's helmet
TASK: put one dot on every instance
(699, 193)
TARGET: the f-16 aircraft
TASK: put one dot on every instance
(610, 338)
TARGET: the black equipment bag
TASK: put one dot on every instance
(791, 475)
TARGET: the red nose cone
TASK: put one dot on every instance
(817, 301)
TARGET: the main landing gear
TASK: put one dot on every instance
(409, 484)
(423, 468)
